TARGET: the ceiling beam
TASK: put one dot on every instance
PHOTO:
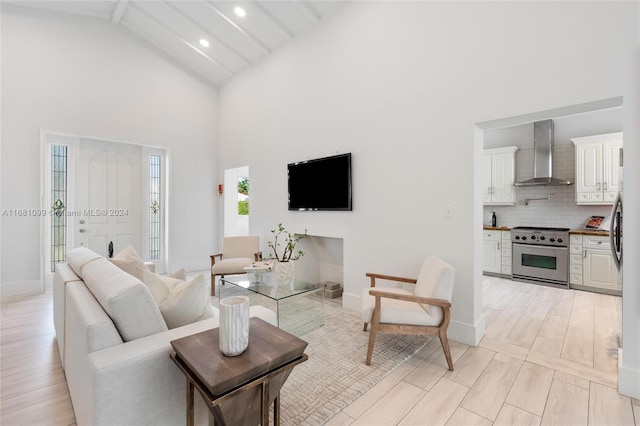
(225, 70)
(233, 51)
(279, 25)
(259, 45)
(118, 11)
(308, 11)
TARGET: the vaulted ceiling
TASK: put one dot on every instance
(216, 39)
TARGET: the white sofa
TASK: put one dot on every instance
(115, 346)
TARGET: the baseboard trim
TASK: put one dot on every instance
(351, 302)
(469, 334)
(190, 266)
(20, 288)
(628, 379)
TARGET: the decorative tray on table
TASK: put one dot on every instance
(259, 267)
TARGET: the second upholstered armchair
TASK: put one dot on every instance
(423, 310)
(237, 254)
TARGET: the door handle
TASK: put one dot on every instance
(605, 186)
(82, 230)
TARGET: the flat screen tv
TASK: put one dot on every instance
(320, 184)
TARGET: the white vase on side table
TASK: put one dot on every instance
(234, 325)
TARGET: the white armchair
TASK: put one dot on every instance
(425, 310)
(237, 253)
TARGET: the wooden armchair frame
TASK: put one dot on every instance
(378, 327)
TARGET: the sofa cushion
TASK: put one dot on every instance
(125, 299)
(180, 274)
(80, 256)
(180, 302)
(234, 265)
(129, 261)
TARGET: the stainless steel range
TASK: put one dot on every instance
(541, 255)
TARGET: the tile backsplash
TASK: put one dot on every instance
(560, 210)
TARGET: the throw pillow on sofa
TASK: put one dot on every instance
(180, 302)
(129, 261)
(124, 298)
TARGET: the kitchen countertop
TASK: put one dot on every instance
(495, 228)
(602, 233)
(598, 232)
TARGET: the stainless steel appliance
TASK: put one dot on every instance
(615, 228)
(543, 157)
(540, 255)
(615, 232)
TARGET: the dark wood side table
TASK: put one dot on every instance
(239, 390)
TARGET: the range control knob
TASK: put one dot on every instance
(542, 238)
(559, 240)
(524, 238)
(533, 237)
(552, 239)
(517, 237)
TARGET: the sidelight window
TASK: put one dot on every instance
(154, 208)
(58, 208)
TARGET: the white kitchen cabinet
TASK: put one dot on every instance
(499, 176)
(591, 265)
(575, 260)
(505, 250)
(599, 269)
(491, 252)
(597, 168)
(496, 252)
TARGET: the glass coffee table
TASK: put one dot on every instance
(299, 306)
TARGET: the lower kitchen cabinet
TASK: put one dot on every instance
(491, 252)
(496, 251)
(575, 260)
(506, 252)
(591, 265)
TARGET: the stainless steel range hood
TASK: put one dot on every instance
(543, 157)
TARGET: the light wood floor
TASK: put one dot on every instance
(549, 357)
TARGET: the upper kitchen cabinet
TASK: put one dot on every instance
(598, 168)
(499, 176)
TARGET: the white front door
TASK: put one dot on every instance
(108, 198)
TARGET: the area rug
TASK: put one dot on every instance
(335, 374)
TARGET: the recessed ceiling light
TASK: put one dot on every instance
(240, 11)
(204, 42)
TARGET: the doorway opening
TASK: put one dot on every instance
(490, 134)
(236, 201)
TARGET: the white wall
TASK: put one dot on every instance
(401, 85)
(86, 76)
